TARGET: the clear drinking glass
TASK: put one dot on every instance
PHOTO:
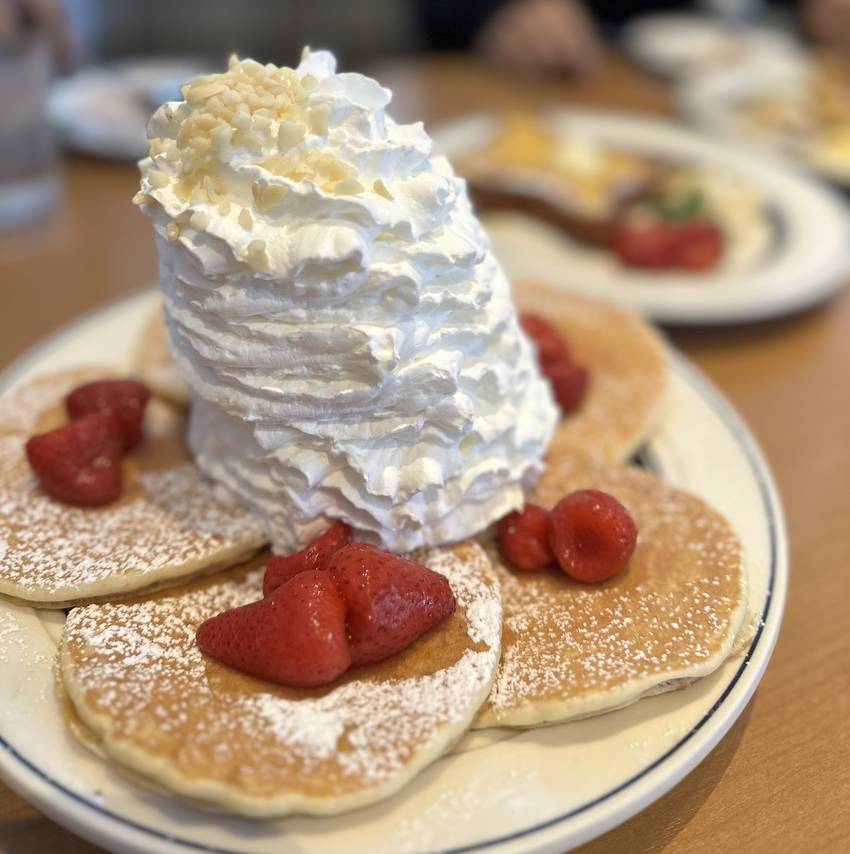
(29, 176)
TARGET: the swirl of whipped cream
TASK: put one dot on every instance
(332, 301)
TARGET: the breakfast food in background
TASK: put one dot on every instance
(693, 219)
(569, 180)
(807, 115)
(641, 210)
(159, 523)
(349, 340)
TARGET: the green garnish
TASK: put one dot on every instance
(686, 206)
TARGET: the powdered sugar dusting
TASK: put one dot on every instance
(674, 610)
(169, 520)
(52, 548)
(138, 663)
(22, 407)
(308, 728)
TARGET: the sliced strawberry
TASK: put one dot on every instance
(699, 246)
(592, 535)
(549, 343)
(126, 399)
(649, 245)
(79, 463)
(524, 539)
(280, 568)
(569, 383)
(391, 600)
(694, 245)
(295, 637)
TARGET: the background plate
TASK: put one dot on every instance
(104, 111)
(808, 260)
(541, 790)
(681, 44)
(712, 104)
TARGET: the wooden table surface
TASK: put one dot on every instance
(780, 780)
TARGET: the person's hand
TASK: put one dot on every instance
(541, 36)
(828, 22)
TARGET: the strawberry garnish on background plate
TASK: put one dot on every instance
(125, 399)
(296, 636)
(316, 555)
(700, 246)
(660, 245)
(79, 463)
(391, 600)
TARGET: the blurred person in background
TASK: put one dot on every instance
(528, 36)
(21, 18)
(568, 36)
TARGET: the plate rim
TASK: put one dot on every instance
(107, 826)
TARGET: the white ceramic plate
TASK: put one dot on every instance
(712, 103)
(540, 791)
(807, 259)
(691, 45)
(104, 111)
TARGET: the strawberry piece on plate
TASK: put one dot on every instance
(699, 247)
(524, 539)
(125, 399)
(295, 637)
(281, 568)
(694, 245)
(79, 463)
(592, 535)
(567, 379)
(569, 384)
(551, 347)
(648, 246)
(391, 600)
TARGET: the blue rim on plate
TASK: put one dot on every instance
(772, 512)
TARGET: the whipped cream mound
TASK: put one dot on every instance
(349, 340)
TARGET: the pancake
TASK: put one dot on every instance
(627, 368)
(155, 365)
(571, 650)
(169, 524)
(577, 184)
(148, 698)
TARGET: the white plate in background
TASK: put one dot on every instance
(712, 104)
(807, 260)
(104, 110)
(681, 45)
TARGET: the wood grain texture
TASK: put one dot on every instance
(779, 781)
